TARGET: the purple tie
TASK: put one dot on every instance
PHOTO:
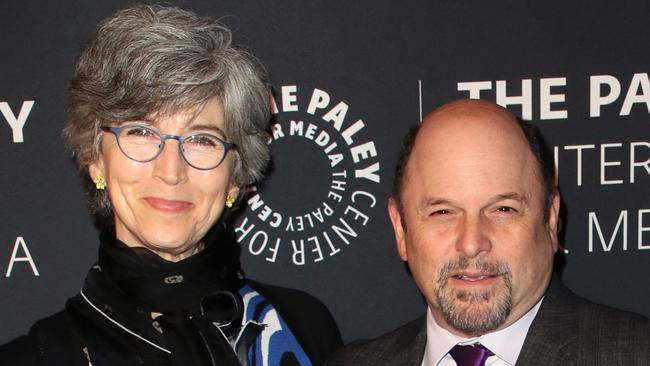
(472, 355)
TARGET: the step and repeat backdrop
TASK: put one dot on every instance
(349, 78)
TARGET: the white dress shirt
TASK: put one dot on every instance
(505, 343)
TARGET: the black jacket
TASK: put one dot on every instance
(52, 341)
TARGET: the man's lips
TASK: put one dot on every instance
(473, 277)
(170, 206)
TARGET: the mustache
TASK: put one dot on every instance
(490, 268)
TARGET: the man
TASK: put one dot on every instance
(475, 215)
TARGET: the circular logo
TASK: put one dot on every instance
(319, 191)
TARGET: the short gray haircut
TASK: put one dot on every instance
(154, 60)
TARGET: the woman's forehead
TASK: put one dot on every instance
(208, 115)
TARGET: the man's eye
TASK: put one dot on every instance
(506, 209)
(440, 212)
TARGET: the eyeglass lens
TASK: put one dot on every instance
(141, 143)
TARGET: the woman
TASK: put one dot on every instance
(169, 120)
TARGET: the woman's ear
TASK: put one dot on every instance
(231, 196)
(96, 169)
(233, 191)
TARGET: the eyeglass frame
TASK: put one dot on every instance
(227, 146)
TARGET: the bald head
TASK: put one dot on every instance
(470, 109)
(476, 130)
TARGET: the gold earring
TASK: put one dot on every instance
(230, 200)
(100, 183)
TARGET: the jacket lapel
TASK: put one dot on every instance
(553, 334)
(405, 347)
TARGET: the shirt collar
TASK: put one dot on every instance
(505, 343)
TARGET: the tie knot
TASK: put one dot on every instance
(470, 355)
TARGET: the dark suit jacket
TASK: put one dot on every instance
(567, 330)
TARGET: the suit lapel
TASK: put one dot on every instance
(407, 345)
(553, 334)
(415, 351)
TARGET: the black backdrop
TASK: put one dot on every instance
(579, 70)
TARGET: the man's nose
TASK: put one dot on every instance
(473, 238)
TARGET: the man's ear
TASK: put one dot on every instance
(396, 220)
(554, 220)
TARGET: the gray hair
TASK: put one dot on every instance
(153, 60)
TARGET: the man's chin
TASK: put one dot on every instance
(475, 311)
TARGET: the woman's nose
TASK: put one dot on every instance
(169, 166)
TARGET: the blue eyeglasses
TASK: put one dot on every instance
(142, 143)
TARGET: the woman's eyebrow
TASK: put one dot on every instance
(204, 126)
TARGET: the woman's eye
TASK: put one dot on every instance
(202, 140)
(139, 132)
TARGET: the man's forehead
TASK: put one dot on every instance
(468, 137)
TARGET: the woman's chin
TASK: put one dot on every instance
(172, 246)
(174, 252)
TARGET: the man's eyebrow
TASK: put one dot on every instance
(437, 201)
(511, 196)
(433, 201)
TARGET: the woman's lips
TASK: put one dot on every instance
(170, 206)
